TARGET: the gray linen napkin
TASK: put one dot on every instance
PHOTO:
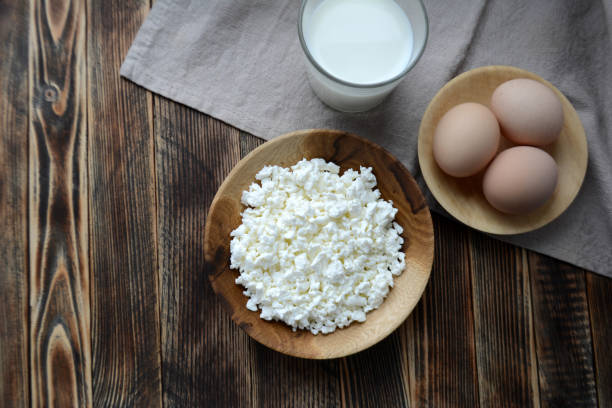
(240, 61)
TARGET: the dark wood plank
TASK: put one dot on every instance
(205, 356)
(124, 288)
(374, 377)
(505, 349)
(599, 290)
(14, 357)
(563, 334)
(248, 142)
(439, 334)
(59, 273)
(283, 381)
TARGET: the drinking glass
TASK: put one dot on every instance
(355, 97)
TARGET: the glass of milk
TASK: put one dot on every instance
(357, 51)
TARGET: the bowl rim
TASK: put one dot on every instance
(350, 349)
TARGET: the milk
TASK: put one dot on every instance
(360, 41)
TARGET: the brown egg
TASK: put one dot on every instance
(529, 112)
(520, 179)
(466, 139)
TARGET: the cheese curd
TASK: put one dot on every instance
(316, 250)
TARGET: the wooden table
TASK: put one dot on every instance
(104, 190)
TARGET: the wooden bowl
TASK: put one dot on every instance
(463, 197)
(394, 183)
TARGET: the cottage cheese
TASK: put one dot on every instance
(316, 250)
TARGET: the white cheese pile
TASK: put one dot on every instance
(316, 250)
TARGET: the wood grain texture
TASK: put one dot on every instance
(467, 343)
(205, 356)
(439, 335)
(285, 381)
(463, 197)
(248, 143)
(599, 291)
(60, 357)
(125, 295)
(507, 365)
(563, 334)
(394, 183)
(14, 329)
(374, 378)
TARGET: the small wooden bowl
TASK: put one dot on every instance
(394, 183)
(463, 197)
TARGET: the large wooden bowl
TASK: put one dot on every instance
(463, 197)
(394, 183)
